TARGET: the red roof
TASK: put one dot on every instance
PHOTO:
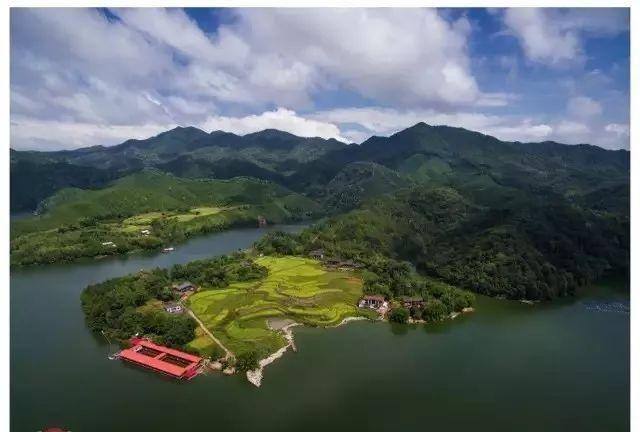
(147, 343)
(156, 362)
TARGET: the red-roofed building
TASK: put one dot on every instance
(162, 359)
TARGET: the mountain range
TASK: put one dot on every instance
(519, 220)
(486, 168)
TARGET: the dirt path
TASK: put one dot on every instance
(229, 354)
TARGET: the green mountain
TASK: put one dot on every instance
(189, 152)
(481, 166)
(520, 220)
(77, 223)
(538, 249)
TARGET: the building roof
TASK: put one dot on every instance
(185, 285)
(172, 305)
(374, 297)
(132, 354)
(411, 299)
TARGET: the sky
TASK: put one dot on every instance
(84, 77)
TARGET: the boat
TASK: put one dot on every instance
(168, 249)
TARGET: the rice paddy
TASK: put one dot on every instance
(297, 288)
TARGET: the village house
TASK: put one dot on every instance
(173, 308)
(109, 243)
(184, 287)
(332, 262)
(409, 302)
(317, 254)
(349, 265)
(372, 302)
(145, 232)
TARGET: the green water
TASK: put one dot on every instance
(506, 367)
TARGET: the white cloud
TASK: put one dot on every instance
(620, 130)
(281, 119)
(554, 36)
(263, 58)
(541, 39)
(360, 123)
(36, 134)
(385, 121)
(80, 78)
(583, 107)
(27, 133)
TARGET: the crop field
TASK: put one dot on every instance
(145, 219)
(296, 288)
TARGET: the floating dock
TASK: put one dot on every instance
(168, 361)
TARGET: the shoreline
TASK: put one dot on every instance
(255, 376)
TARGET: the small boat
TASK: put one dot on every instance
(168, 249)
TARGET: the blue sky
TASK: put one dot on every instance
(82, 77)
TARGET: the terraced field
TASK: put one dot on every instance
(296, 288)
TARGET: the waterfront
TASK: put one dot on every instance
(507, 366)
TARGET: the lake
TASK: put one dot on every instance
(508, 366)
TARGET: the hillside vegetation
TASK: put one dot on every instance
(520, 220)
(538, 249)
(83, 223)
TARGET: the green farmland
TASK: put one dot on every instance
(296, 288)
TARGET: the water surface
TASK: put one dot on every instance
(508, 366)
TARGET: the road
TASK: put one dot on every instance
(229, 354)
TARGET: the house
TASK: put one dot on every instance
(262, 221)
(332, 261)
(349, 265)
(184, 287)
(372, 301)
(145, 232)
(317, 254)
(109, 243)
(173, 308)
(409, 302)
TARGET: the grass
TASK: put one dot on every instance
(296, 288)
(144, 220)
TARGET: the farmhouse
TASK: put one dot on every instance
(173, 308)
(409, 302)
(184, 287)
(372, 301)
(349, 265)
(332, 262)
(317, 254)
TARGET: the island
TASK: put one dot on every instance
(237, 311)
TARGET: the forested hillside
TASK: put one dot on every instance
(538, 250)
(520, 220)
(434, 155)
(148, 210)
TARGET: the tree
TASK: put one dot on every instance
(247, 361)
(398, 315)
(434, 310)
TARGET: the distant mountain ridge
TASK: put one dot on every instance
(482, 165)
